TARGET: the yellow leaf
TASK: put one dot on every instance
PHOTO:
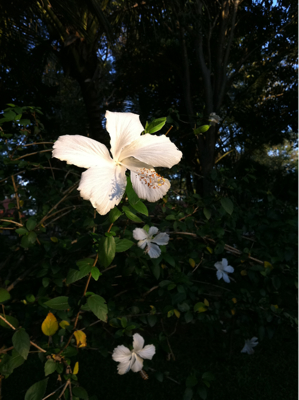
(275, 305)
(210, 250)
(76, 368)
(170, 314)
(54, 239)
(233, 312)
(243, 272)
(163, 266)
(201, 309)
(192, 262)
(234, 300)
(177, 313)
(206, 302)
(268, 265)
(63, 324)
(80, 338)
(21, 203)
(50, 325)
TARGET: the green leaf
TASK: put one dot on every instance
(114, 214)
(50, 367)
(202, 392)
(31, 224)
(132, 196)
(95, 273)
(25, 242)
(188, 394)
(21, 231)
(12, 320)
(130, 215)
(75, 275)
(140, 207)
(124, 322)
(152, 320)
(122, 245)
(106, 251)
(98, 307)
(201, 129)
(37, 391)
(80, 392)
(200, 307)
(58, 303)
(227, 204)
(191, 381)
(32, 237)
(4, 295)
(21, 342)
(208, 376)
(207, 213)
(156, 125)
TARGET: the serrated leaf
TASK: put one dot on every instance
(4, 295)
(80, 338)
(58, 303)
(156, 125)
(75, 275)
(140, 207)
(37, 391)
(50, 367)
(12, 320)
(31, 224)
(227, 204)
(31, 237)
(21, 231)
(98, 307)
(50, 325)
(21, 342)
(106, 251)
(201, 129)
(133, 217)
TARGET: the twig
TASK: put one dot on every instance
(17, 197)
(149, 291)
(35, 143)
(181, 219)
(64, 389)
(31, 154)
(49, 395)
(212, 284)
(168, 377)
(11, 221)
(20, 278)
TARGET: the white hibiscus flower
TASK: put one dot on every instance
(104, 182)
(214, 119)
(133, 359)
(150, 241)
(222, 269)
(249, 344)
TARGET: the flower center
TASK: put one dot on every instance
(150, 178)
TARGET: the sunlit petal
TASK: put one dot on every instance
(161, 239)
(124, 367)
(154, 150)
(121, 354)
(152, 231)
(148, 352)
(139, 234)
(142, 243)
(133, 164)
(81, 151)
(149, 186)
(153, 250)
(137, 365)
(104, 186)
(138, 342)
(123, 129)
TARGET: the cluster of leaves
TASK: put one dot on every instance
(73, 279)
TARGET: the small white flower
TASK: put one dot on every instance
(222, 269)
(105, 181)
(214, 118)
(150, 241)
(133, 359)
(249, 344)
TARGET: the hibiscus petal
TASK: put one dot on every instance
(137, 365)
(225, 277)
(219, 266)
(219, 274)
(81, 151)
(149, 188)
(138, 342)
(153, 250)
(154, 150)
(152, 230)
(161, 239)
(142, 243)
(123, 129)
(124, 367)
(224, 262)
(121, 354)
(246, 349)
(133, 164)
(140, 234)
(148, 352)
(229, 269)
(104, 186)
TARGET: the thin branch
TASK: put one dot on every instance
(49, 395)
(17, 197)
(31, 154)
(11, 221)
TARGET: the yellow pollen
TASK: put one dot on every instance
(150, 178)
